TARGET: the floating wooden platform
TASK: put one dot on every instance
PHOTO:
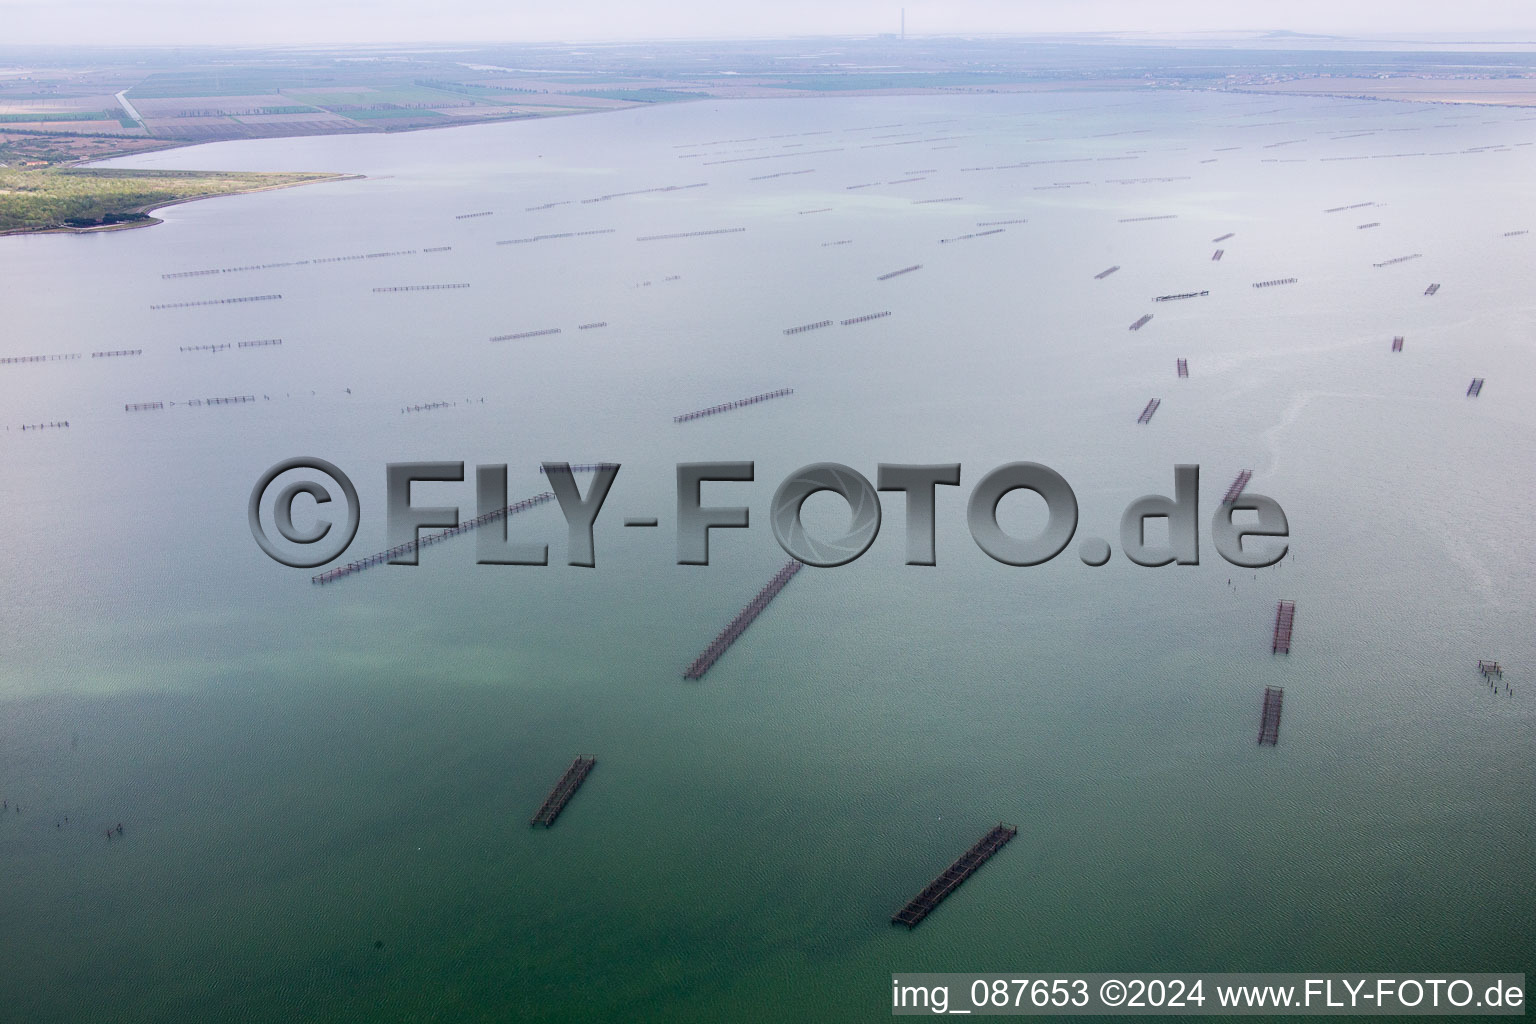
(1141, 322)
(1285, 615)
(744, 618)
(1397, 343)
(1432, 289)
(1269, 725)
(1236, 490)
(1183, 367)
(947, 882)
(1217, 255)
(1146, 414)
(1476, 387)
(561, 795)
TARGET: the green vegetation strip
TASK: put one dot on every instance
(35, 117)
(48, 199)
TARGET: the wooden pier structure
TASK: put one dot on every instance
(1146, 414)
(744, 618)
(1236, 490)
(561, 795)
(949, 880)
(1285, 615)
(1269, 724)
(1476, 387)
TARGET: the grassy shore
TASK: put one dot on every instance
(79, 199)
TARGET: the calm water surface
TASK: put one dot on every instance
(305, 772)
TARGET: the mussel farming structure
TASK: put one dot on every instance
(1223, 238)
(117, 352)
(561, 795)
(689, 234)
(1397, 343)
(582, 467)
(898, 273)
(1236, 490)
(1147, 413)
(526, 334)
(1141, 322)
(728, 406)
(1101, 275)
(974, 234)
(420, 287)
(1395, 259)
(1476, 387)
(744, 618)
(1285, 616)
(61, 357)
(1432, 289)
(414, 546)
(808, 327)
(1269, 721)
(562, 234)
(143, 406)
(1183, 367)
(1181, 295)
(1271, 284)
(1217, 255)
(949, 880)
(865, 318)
(226, 302)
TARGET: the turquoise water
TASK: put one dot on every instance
(304, 772)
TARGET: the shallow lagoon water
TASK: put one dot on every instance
(303, 772)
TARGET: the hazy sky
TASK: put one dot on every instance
(365, 21)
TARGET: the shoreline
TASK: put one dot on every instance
(146, 212)
(150, 221)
